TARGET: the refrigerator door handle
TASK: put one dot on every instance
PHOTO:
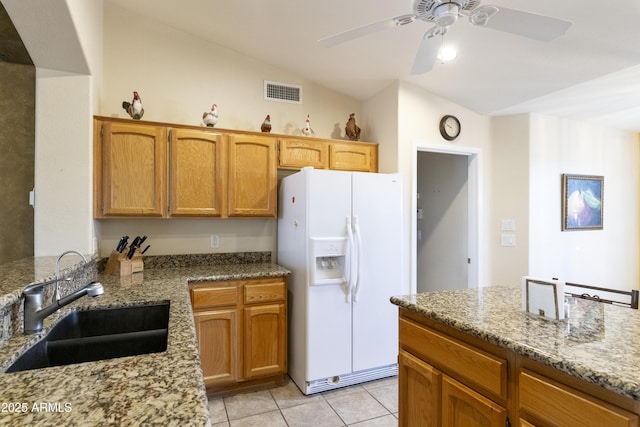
(348, 268)
(358, 257)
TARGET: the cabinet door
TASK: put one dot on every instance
(296, 154)
(196, 173)
(253, 175)
(555, 404)
(217, 333)
(462, 406)
(133, 170)
(265, 340)
(418, 392)
(353, 157)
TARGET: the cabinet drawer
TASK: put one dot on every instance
(475, 367)
(207, 297)
(557, 404)
(264, 292)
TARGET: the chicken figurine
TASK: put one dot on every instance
(306, 130)
(352, 130)
(134, 108)
(266, 125)
(210, 118)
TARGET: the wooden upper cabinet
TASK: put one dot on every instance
(196, 173)
(298, 153)
(133, 170)
(154, 169)
(252, 176)
(361, 157)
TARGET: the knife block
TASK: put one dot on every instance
(119, 265)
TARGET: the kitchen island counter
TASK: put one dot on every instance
(599, 343)
(154, 389)
(474, 357)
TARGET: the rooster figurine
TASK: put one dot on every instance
(306, 130)
(210, 118)
(266, 125)
(352, 130)
(134, 108)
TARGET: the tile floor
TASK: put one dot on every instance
(372, 404)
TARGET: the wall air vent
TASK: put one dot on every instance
(282, 92)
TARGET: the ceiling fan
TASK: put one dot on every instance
(445, 13)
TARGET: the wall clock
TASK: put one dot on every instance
(450, 127)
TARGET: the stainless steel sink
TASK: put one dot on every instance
(98, 334)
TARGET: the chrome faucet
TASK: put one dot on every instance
(34, 313)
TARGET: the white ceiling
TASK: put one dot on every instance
(590, 73)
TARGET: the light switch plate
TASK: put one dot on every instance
(508, 225)
(508, 239)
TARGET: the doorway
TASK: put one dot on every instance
(445, 218)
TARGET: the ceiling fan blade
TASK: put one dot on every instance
(526, 24)
(428, 50)
(366, 29)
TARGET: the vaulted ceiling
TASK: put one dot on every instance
(590, 73)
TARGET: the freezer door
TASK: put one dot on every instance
(328, 337)
(377, 209)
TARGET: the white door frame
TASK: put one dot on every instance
(474, 208)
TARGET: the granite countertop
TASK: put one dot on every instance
(154, 389)
(599, 342)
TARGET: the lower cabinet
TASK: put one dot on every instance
(544, 401)
(217, 333)
(461, 406)
(448, 378)
(430, 398)
(419, 394)
(241, 328)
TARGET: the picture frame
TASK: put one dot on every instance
(582, 202)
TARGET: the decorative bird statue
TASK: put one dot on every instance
(306, 130)
(352, 130)
(266, 125)
(134, 108)
(210, 118)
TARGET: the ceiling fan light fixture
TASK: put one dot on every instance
(446, 14)
(447, 53)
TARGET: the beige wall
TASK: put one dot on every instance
(17, 129)
(510, 183)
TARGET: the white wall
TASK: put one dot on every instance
(178, 77)
(63, 173)
(607, 257)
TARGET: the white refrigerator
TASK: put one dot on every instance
(340, 235)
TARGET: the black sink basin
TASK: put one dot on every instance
(98, 334)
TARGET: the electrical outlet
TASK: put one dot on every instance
(215, 241)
